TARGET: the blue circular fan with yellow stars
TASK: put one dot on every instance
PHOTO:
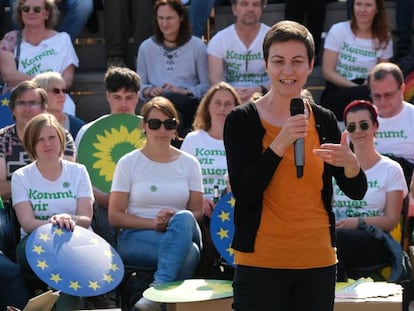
(78, 263)
(222, 227)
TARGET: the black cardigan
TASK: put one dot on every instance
(251, 169)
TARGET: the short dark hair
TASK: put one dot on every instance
(289, 30)
(22, 88)
(381, 70)
(118, 78)
(361, 104)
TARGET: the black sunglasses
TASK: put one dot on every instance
(57, 90)
(36, 9)
(351, 127)
(169, 124)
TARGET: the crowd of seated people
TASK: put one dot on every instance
(201, 83)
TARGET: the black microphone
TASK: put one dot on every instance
(297, 107)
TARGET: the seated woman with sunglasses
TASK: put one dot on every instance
(37, 47)
(55, 87)
(156, 199)
(381, 205)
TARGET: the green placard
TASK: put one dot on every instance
(190, 291)
(105, 142)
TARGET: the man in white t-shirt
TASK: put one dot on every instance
(122, 93)
(235, 53)
(395, 135)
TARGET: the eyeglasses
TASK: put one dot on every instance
(56, 90)
(35, 9)
(387, 96)
(169, 124)
(30, 104)
(351, 127)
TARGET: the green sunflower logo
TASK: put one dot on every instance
(112, 146)
(105, 142)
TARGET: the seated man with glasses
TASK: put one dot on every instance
(395, 135)
(27, 100)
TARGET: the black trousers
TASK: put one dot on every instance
(336, 99)
(284, 289)
(310, 13)
(124, 19)
(357, 248)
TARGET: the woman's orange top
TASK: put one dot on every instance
(294, 228)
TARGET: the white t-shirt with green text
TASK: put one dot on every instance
(395, 135)
(385, 176)
(243, 65)
(211, 154)
(51, 197)
(356, 56)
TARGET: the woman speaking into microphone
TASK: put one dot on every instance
(284, 237)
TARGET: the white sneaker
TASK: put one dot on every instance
(147, 305)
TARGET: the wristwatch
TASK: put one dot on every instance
(361, 223)
(74, 218)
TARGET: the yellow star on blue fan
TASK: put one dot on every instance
(42, 264)
(224, 216)
(223, 233)
(44, 237)
(67, 260)
(108, 278)
(38, 249)
(232, 201)
(222, 226)
(56, 278)
(230, 251)
(5, 102)
(59, 231)
(94, 285)
(113, 267)
(108, 253)
(74, 285)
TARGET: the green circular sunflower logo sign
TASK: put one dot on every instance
(105, 142)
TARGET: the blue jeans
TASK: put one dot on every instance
(174, 253)
(13, 288)
(199, 13)
(76, 14)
